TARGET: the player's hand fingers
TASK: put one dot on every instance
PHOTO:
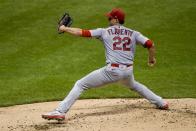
(151, 62)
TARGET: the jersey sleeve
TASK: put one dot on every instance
(96, 32)
(140, 39)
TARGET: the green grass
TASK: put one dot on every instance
(37, 64)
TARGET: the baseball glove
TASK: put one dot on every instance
(66, 20)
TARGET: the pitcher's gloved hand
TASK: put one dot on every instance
(66, 20)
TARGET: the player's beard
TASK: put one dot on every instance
(110, 24)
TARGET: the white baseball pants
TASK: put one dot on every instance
(105, 75)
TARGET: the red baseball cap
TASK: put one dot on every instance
(118, 14)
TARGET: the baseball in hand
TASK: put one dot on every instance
(151, 62)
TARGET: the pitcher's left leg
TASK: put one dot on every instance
(95, 79)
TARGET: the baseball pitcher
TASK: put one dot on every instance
(120, 44)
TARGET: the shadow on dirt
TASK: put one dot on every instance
(49, 125)
(108, 110)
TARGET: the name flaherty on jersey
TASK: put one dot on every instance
(116, 31)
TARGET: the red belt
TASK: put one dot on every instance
(117, 65)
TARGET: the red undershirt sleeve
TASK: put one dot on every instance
(86, 33)
(148, 44)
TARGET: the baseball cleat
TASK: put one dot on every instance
(165, 106)
(54, 115)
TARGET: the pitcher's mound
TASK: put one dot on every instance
(103, 115)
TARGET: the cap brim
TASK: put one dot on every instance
(108, 15)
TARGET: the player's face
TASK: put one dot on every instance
(112, 21)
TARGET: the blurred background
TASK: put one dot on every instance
(37, 64)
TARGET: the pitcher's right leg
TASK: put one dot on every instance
(146, 93)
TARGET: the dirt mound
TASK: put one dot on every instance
(103, 115)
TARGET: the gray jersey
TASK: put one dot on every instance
(119, 42)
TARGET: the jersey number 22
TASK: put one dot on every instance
(121, 43)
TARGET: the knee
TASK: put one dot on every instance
(80, 85)
(133, 85)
